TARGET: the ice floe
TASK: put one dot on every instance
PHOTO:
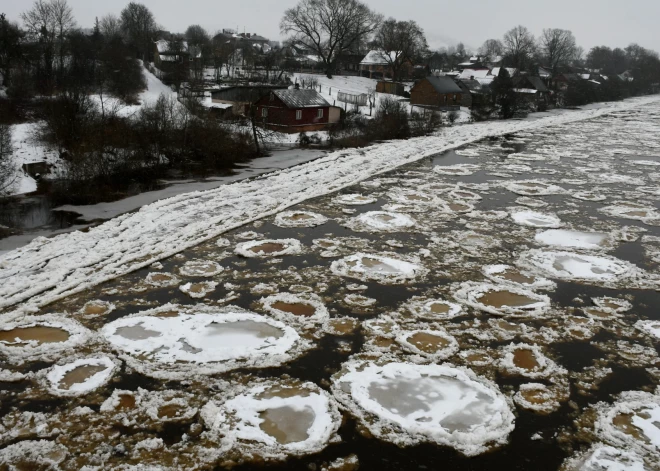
(304, 309)
(458, 169)
(162, 279)
(33, 454)
(381, 221)
(433, 309)
(198, 290)
(435, 345)
(574, 239)
(630, 210)
(507, 274)
(502, 300)
(80, 376)
(171, 344)
(269, 248)
(650, 327)
(408, 404)
(578, 267)
(534, 188)
(274, 419)
(354, 199)
(525, 217)
(539, 397)
(299, 219)
(97, 307)
(385, 268)
(40, 337)
(201, 268)
(529, 361)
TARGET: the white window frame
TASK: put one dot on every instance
(298, 115)
(319, 113)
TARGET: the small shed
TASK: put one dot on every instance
(391, 88)
(241, 98)
(436, 92)
(295, 110)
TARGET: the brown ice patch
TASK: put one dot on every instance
(268, 247)
(298, 309)
(499, 299)
(428, 343)
(79, 375)
(40, 334)
(525, 359)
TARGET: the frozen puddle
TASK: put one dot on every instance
(632, 424)
(274, 419)
(525, 217)
(381, 221)
(40, 337)
(408, 404)
(502, 300)
(269, 248)
(578, 267)
(213, 339)
(299, 219)
(377, 267)
(574, 239)
(80, 376)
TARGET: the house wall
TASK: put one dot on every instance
(283, 119)
(424, 94)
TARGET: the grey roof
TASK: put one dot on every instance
(301, 98)
(444, 85)
(538, 84)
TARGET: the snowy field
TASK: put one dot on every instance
(49, 269)
(489, 307)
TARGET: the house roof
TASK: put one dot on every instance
(377, 58)
(472, 85)
(476, 73)
(538, 84)
(444, 85)
(529, 82)
(301, 98)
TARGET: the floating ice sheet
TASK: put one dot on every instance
(502, 299)
(525, 217)
(269, 248)
(605, 458)
(574, 239)
(408, 404)
(382, 267)
(299, 219)
(381, 221)
(80, 376)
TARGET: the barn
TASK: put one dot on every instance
(436, 92)
(296, 110)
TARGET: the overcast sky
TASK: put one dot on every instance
(446, 22)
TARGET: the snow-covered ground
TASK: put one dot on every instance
(50, 269)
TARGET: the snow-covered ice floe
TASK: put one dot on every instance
(40, 337)
(354, 199)
(650, 327)
(380, 221)
(605, 458)
(269, 248)
(435, 345)
(579, 267)
(80, 376)
(408, 404)
(304, 308)
(274, 419)
(201, 268)
(629, 210)
(529, 361)
(198, 290)
(458, 169)
(525, 217)
(502, 300)
(162, 279)
(385, 268)
(534, 188)
(33, 454)
(299, 219)
(540, 398)
(632, 424)
(574, 239)
(173, 342)
(507, 274)
(433, 309)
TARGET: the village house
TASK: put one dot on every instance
(169, 53)
(375, 65)
(436, 93)
(296, 110)
(532, 90)
(240, 98)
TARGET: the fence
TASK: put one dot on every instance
(357, 100)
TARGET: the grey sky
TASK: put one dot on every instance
(594, 22)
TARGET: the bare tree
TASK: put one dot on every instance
(491, 48)
(110, 26)
(558, 47)
(10, 48)
(7, 176)
(330, 28)
(519, 47)
(40, 28)
(400, 42)
(64, 23)
(139, 26)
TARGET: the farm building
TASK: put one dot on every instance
(296, 110)
(437, 93)
(391, 88)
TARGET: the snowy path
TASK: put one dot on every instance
(50, 269)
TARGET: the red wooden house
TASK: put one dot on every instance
(296, 110)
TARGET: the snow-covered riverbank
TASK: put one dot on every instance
(50, 269)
